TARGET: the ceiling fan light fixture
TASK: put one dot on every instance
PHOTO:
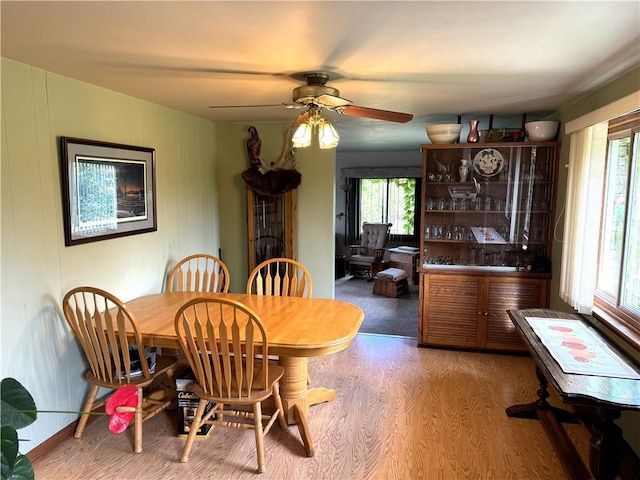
(327, 135)
(302, 136)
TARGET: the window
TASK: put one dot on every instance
(617, 293)
(389, 200)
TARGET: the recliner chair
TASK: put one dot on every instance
(367, 259)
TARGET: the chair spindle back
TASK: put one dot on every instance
(106, 331)
(221, 339)
(280, 277)
(199, 273)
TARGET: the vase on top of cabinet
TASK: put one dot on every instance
(486, 243)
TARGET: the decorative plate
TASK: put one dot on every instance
(488, 162)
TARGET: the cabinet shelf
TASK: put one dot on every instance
(444, 240)
(476, 263)
(473, 242)
(482, 182)
(488, 211)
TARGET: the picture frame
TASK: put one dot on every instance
(108, 190)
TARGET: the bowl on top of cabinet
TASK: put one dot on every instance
(542, 131)
(444, 133)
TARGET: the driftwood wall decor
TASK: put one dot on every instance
(276, 178)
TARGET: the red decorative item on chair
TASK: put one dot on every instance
(122, 408)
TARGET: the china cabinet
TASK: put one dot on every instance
(271, 226)
(487, 226)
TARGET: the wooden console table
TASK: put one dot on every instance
(596, 401)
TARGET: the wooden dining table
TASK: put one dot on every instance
(297, 328)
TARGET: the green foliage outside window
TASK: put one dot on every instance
(619, 268)
(389, 200)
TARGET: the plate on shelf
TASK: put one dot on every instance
(488, 162)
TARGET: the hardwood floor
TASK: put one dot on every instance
(401, 412)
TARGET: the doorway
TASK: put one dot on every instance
(382, 315)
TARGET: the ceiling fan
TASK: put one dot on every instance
(316, 95)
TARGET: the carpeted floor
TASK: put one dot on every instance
(382, 315)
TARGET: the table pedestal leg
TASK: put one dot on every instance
(303, 428)
(294, 390)
(293, 387)
(297, 397)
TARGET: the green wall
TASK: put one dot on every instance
(200, 204)
(315, 202)
(623, 86)
(201, 208)
(37, 269)
(619, 88)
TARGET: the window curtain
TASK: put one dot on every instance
(587, 153)
(96, 197)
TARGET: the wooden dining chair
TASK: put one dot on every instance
(221, 339)
(199, 273)
(99, 321)
(280, 277)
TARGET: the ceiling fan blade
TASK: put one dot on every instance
(304, 116)
(332, 101)
(283, 105)
(387, 115)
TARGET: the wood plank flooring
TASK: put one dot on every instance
(401, 412)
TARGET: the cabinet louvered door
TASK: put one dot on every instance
(450, 306)
(470, 311)
(508, 293)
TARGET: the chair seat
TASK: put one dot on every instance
(275, 373)
(362, 258)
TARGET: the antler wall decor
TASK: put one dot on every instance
(276, 178)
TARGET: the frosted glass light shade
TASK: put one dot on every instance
(327, 135)
(302, 136)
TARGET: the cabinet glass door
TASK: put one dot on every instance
(271, 226)
(488, 205)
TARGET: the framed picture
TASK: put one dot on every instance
(108, 190)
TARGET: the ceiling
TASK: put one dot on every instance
(435, 60)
